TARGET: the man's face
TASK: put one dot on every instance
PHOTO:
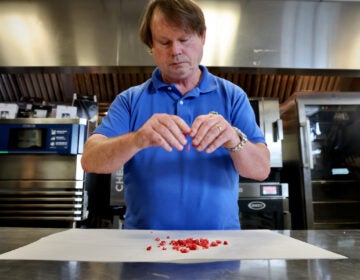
(176, 52)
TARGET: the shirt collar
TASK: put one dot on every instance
(206, 85)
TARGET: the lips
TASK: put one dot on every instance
(177, 63)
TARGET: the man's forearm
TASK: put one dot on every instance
(253, 161)
(106, 155)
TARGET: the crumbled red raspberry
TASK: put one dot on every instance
(192, 246)
(204, 242)
(188, 244)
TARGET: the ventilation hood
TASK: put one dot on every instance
(243, 33)
(51, 49)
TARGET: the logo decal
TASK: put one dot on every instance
(257, 205)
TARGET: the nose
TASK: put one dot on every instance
(176, 48)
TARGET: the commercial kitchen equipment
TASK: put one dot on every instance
(299, 34)
(321, 153)
(41, 178)
(267, 114)
(264, 205)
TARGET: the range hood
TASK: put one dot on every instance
(51, 49)
(242, 33)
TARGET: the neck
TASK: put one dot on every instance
(184, 86)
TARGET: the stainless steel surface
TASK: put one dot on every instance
(29, 121)
(41, 187)
(27, 186)
(271, 126)
(51, 49)
(40, 167)
(308, 164)
(46, 187)
(286, 34)
(338, 241)
(324, 202)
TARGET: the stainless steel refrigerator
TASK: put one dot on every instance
(321, 159)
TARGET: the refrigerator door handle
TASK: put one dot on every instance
(307, 151)
(278, 132)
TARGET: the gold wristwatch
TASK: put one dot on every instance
(243, 140)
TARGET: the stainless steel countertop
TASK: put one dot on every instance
(344, 242)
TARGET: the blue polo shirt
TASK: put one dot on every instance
(182, 190)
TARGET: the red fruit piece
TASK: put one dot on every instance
(148, 248)
(225, 242)
(192, 246)
(204, 243)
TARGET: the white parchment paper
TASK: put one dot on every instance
(114, 245)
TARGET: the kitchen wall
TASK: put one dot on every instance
(272, 48)
(243, 33)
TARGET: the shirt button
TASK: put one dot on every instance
(181, 102)
(169, 88)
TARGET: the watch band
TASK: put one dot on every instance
(243, 140)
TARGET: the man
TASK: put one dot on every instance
(183, 136)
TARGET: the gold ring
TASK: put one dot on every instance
(218, 126)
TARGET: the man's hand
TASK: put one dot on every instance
(164, 130)
(211, 131)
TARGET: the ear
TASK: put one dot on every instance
(203, 37)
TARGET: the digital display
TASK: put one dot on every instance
(27, 138)
(269, 190)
